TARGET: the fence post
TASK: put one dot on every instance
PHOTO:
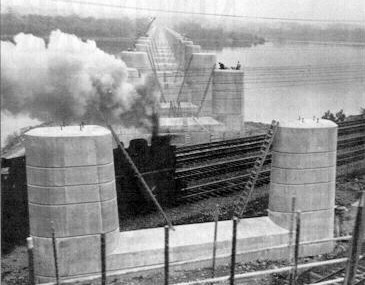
(296, 250)
(291, 233)
(166, 255)
(233, 255)
(30, 260)
(54, 245)
(357, 237)
(103, 258)
(216, 216)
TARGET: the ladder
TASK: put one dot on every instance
(186, 130)
(246, 194)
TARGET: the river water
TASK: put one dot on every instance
(287, 80)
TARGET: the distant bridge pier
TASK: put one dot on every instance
(228, 99)
(200, 80)
(136, 59)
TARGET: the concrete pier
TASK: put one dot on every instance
(136, 59)
(201, 68)
(71, 187)
(228, 98)
(142, 47)
(189, 50)
(304, 167)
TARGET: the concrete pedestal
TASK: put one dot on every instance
(304, 167)
(71, 187)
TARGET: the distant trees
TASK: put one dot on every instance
(216, 36)
(41, 26)
(110, 35)
(305, 32)
(338, 117)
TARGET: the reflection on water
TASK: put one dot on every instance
(285, 80)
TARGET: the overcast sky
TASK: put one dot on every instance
(348, 10)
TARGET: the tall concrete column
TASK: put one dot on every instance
(228, 98)
(304, 167)
(71, 187)
(198, 75)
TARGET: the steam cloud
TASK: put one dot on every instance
(67, 79)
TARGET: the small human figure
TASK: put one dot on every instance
(238, 67)
(221, 65)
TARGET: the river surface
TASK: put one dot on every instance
(284, 81)
(287, 80)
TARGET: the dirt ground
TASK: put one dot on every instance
(14, 267)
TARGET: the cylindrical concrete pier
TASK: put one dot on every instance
(71, 187)
(304, 167)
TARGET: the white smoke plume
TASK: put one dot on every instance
(67, 79)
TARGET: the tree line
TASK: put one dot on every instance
(217, 37)
(41, 26)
